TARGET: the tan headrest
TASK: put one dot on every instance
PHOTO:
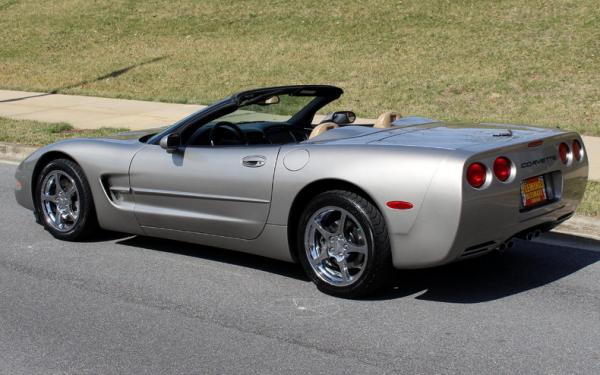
(322, 128)
(385, 119)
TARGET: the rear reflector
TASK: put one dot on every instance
(563, 151)
(476, 174)
(577, 150)
(502, 168)
(535, 143)
(399, 205)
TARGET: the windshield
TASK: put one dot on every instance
(286, 107)
(260, 110)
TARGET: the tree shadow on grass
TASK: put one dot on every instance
(113, 74)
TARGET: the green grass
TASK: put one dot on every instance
(36, 133)
(514, 61)
(590, 205)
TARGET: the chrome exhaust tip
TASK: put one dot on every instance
(505, 246)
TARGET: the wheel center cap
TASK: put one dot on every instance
(337, 247)
(62, 202)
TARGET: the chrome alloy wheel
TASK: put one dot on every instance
(60, 200)
(336, 246)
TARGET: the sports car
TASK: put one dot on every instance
(349, 200)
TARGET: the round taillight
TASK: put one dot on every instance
(502, 168)
(476, 174)
(563, 151)
(577, 150)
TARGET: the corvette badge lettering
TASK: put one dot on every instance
(534, 163)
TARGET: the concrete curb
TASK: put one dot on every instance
(582, 226)
(14, 151)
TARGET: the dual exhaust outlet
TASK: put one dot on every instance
(525, 236)
(531, 235)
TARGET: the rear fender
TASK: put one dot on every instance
(384, 173)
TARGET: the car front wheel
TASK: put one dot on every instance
(64, 201)
(344, 244)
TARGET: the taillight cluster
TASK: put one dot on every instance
(503, 168)
(567, 155)
(477, 173)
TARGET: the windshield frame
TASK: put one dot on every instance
(323, 94)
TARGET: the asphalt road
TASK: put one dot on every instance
(140, 305)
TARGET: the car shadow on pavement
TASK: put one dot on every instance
(493, 276)
(217, 254)
(490, 277)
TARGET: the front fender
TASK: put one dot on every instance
(105, 162)
(24, 177)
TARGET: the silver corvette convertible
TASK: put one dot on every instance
(257, 172)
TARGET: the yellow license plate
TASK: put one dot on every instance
(533, 191)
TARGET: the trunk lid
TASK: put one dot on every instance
(469, 137)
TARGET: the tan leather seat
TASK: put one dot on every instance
(322, 128)
(385, 119)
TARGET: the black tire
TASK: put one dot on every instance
(86, 223)
(378, 269)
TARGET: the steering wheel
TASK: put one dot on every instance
(233, 128)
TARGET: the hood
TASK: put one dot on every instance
(136, 134)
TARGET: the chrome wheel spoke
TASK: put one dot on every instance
(323, 255)
(49, 197)
(72, 215)
(354, 248)
(341, 223)
(344, 272)
(57, 186)
(58, 219)
(71, 191)
(319, 227)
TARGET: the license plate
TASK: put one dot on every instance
(533, 191)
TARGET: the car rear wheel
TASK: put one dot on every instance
(64, 202)
(344, 245)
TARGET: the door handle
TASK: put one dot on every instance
(254, 161)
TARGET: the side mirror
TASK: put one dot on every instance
(340, 117)
(171, 142)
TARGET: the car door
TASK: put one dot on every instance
(222, 191)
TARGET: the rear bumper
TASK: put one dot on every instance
(500, 239)
(489, 220)
(473, 238)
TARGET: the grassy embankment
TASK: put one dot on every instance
(512, 61)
